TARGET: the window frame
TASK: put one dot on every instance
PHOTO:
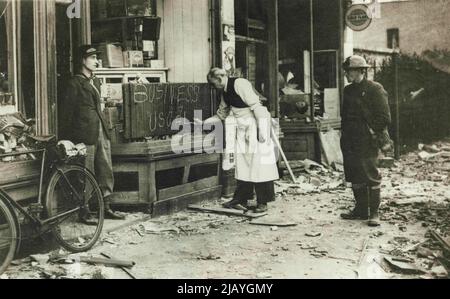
(11, 22)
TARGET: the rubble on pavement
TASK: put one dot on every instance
(415, 193)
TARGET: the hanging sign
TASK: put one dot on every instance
(358, 17)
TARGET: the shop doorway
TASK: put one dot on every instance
(309, 57)
(251, 33)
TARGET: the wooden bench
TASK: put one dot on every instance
(150, 174)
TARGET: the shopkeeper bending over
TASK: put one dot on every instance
(256, 167)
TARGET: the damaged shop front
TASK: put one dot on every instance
(154, 61)
(291, 51)
(33, 61)
(155, 57)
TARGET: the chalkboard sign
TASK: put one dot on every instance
(149, 109)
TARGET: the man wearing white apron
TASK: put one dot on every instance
(256, 167)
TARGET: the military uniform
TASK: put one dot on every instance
(365, 106)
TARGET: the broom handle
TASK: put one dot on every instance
(275, 139)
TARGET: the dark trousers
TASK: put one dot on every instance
(265, 192)
(359, 170)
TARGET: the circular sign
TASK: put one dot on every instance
(358, 17)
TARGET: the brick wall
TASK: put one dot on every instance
(422, 24)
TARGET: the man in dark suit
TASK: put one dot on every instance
(81, 121)
(365, 115)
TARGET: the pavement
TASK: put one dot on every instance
(301, 237)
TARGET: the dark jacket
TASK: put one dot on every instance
(79, 113)
(365, 105)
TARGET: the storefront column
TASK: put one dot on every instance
(216, 33)
(12, 36)
(82, 27)
(272, 10)
(45, 66)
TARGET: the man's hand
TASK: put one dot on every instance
(261, 137)
(198, 122)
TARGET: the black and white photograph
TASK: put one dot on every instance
(219, 140)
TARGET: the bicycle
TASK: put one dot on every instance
(74, 208)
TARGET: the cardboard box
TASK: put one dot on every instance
(157, 64)
(111, 55)
(133, 59)
(149, 48)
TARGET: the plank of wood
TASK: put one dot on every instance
(127, 224)
(272, 223)
(363, 251)
(172, 205)
(123, 268)
(187, 188)
(220, 210)
(445, 245)
(110, 262)
(182, 161)
(216, 210)
(330, 144)
(403, 267)
(126, 198)
(126, 111)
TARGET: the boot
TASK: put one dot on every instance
(110, 214)
(374, 205)
(361, 209)
(261, 208)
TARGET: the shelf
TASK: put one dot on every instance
(256, 24)
(246, 39)
(123, 18)
(287, 61)
(130, 69)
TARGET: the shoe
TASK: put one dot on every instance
(353, 215)
(261, 208)
(373, 223)
(110, 214)
(374, 205)
(235, 204)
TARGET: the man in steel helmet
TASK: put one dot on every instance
(365, 113)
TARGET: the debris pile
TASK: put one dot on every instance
(62, 265)
(416, 190)
(14, 136)
(312, 178)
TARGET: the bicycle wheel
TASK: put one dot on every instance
(75, 200)
(8, 235)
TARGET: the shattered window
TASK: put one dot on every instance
(6, 63)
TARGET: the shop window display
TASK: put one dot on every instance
(6, 94)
